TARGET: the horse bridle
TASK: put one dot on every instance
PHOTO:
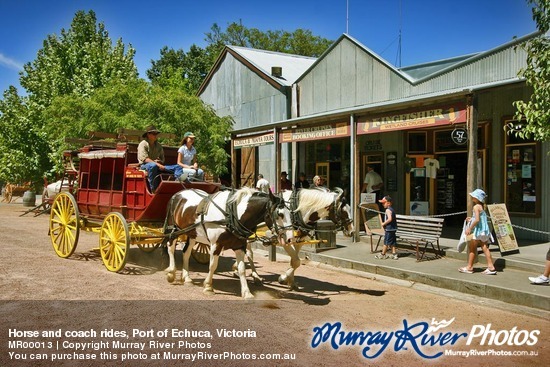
(298, 222)
(341, 224)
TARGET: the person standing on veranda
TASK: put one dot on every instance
(373, 182)
(262, 184)
(302, 182)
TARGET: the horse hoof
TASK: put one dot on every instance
(209, 291)
(248, 296)
(187, 280)
(258, 281)
(170, 277)
(282, 279)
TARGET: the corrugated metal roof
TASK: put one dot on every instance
(422, 70)
(293, 65)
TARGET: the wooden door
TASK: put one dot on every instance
(248, 167)
(420, 198)
(322, 169)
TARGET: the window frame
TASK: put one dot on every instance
(516, 154)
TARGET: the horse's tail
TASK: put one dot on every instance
(169, 219)
(169, 222)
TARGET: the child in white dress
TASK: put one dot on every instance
(479, 228)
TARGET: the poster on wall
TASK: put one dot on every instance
(421, 208)
(503, 228)
(368, 198)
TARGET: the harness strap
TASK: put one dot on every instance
(233, 224)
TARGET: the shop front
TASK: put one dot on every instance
(422, 156)
(322, 150)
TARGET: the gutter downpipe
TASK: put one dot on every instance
(471, 123)
(272, 255)
(353, 176)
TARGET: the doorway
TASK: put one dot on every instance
(451, 186)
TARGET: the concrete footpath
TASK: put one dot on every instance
(510, 285)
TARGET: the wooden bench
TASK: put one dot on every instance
(421, 232)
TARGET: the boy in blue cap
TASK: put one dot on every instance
(390, 229)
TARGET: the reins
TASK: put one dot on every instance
(232, 222)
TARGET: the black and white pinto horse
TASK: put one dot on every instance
(306, 207)
(225, 220)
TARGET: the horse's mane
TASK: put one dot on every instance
(244, 191)
(312, 200)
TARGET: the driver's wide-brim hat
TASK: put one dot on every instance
(150, 129)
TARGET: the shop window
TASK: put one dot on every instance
(417, 142)
(522, 184)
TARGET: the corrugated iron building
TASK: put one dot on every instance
(350, 108)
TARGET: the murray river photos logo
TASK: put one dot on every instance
(422, 337)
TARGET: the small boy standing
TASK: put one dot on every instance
(390, 229)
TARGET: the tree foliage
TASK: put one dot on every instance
(78, 83)
(197, 62)
(536, 111)
(136, 104)
(300, 42)
(78, 61)
(23, 147)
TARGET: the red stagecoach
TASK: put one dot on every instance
(111, 196)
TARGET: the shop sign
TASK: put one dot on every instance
(329, 131)
(413, 119)
(254, 141)
(502, 225)
(459, 136)
(372, 145)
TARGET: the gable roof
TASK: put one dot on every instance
(421, 72)
(293, 65)
(261, 62)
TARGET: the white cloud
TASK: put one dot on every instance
(10, 63)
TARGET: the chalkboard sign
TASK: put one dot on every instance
(503, 228)
(391, 171)
(371, 218)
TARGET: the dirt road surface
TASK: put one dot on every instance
(49, 305)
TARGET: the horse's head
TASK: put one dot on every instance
(278, 219)
(340, 213)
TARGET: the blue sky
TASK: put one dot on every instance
(431, 29)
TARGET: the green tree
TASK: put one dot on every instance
(300, 42)
(197, 62)
(136, 104)
(78, 61)
(170, 61)
(23, 147)
(536, 111)
(70, 66)
(192, 66)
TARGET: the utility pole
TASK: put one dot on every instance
(347, 16)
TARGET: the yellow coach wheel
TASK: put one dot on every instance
(64, 224)
(201, 253)
(114, 242)
(148, 247)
